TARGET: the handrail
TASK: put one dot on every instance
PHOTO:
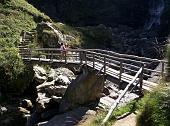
(128, 56)
(97, 56)
(115, 104)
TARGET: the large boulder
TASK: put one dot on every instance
(40, 74)
(86, 88)
(53, 89)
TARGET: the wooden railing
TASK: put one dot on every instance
(96, 57)
(115, 104)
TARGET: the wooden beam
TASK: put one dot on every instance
(115, 104)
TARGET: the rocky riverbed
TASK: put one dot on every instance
(61, 94)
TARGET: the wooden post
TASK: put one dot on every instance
(163, 69)
(30, 54)
(39, 55)
(24, 36)
(141, 77)
(65, 57)
(121, 71)
(80, 57)
(104, 64)
(51, 56)
(85, 57)
(93, 61)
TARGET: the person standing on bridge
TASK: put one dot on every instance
(63, 50)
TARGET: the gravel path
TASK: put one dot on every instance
(129, 120)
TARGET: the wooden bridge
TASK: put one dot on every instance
(120, 67)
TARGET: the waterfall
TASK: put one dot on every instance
(156, 8)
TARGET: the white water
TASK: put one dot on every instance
(156, 8)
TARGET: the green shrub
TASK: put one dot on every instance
(14, 75)
(156, 109)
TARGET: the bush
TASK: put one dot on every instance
(14, 75)
(156, 109)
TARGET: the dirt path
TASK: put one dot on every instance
(129, 120)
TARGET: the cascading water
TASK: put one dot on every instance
(156, 8)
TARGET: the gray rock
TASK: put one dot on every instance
(42, 104)
(56, 90)
(51, 75)
(45, 85)
(42, 123)
(27, 104)
(56, 99)
(3, 110)
(40, 74)
(86, 88)
(70, 118)
(114, 95)
(62, 80)
(23, 110)
(65, 72)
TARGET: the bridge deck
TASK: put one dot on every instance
(147, 85)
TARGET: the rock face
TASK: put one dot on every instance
(52, 87)
(50, 36)
(50, 90)
(86, 12)
(40, 74)
(86, 88)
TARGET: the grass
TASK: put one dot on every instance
(15, 16)
(155, 111)
(87, 37)
(128, 108)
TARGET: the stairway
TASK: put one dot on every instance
(26, 39)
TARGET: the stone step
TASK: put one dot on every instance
(24, 44)
(26, 39)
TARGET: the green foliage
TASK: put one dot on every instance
(87, 37)
(130, 107)
(156, 112)
(15, 16)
